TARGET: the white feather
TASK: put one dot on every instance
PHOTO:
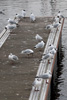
(12, 57)
(37, 83)
(23, 13)
(11, 21)
(38, 37)
(32, 17)
(10, 27)
(39, 45)
(27, 51)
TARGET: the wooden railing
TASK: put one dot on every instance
(53, 38)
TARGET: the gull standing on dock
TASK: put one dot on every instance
(49, 26)
(32, 17)
(39, 45)
(53, 51)
(13, 57)
(36, 84)
(10, 27)
(47, 56)
(11, 21)
(27, 51)
(46, 76)
(51, 46)
(56, 19)
(60, 15)
(38, 37)
(18, 16)
(23, 13)
(57, 25)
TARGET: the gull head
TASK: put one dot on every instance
(48, 71)
(6, 28)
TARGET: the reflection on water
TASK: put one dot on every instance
(53, 8)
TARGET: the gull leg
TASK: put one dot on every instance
(49, 61)
(32, 54)
(36, 89)
(47, 82)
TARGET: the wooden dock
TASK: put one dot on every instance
(54, 38)
(16, 79)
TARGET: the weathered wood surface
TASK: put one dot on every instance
(44, 66)
(3, 36)
(2, 33)
(53, 38)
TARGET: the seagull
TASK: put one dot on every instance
(57, 25)
(13, 57)
(27, 51)
(53, 51)
(38, 37)
(11, 21)
(60, 15)
(32, 17)
(56, 19)
(51, 46)
(39, 45)
(47, 56)
(37, 83)
(46, 76)
(18, 17)
(23, 13)
(10, 27)
(49, 26)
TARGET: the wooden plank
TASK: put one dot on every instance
(43, 67)
(2, 33)
(3, 38)
(43, 94)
